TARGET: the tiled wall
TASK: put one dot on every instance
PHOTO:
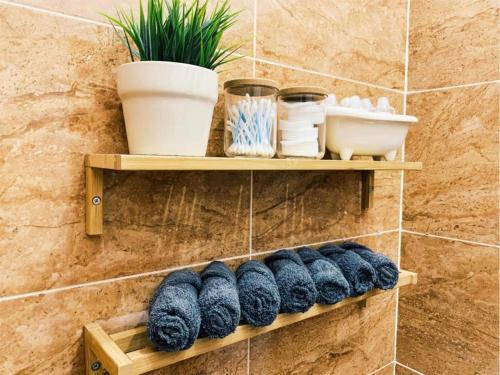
(449, 322)
(58, 102)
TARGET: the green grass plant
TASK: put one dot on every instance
(178, 32)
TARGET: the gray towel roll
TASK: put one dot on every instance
(330, 283)
(387, 272)
(174, 315)
(258, 292)
(359, 273)
(218, 300)
(296, 287)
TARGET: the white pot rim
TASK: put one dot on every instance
(167, 63)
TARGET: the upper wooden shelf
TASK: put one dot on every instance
(122, 162)
(96, 163)
(129, 352)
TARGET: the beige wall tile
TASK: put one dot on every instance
(231, 360)
(448, 322)
(293, 208)
(59, 79)
(362, 40)
(453, 42)
(241, 33)
(387, 370)
(341, 88)
(385, 243)
(456, 193)
(45, 332)
(400, 370)
(348, 341)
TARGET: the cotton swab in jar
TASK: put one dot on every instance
(251, 122)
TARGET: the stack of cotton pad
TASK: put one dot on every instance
(299, 133)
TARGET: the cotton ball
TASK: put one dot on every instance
(366, 104)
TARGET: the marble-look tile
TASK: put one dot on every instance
(387, 370)
(240, 33)
(45, 332)
(456, 193)
(449, 322)
(385, 243)
(453, 43)
(294, 208)
(400, 370)
(186, 218)
(231, 360)
(58, 77)
(362, 40)
(291, 77)
(348, 341)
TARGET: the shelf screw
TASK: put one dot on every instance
(95, 366)
(96, 200)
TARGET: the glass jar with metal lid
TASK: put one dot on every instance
(250, 117)
(301, 127)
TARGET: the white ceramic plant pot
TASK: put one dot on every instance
(167, 106)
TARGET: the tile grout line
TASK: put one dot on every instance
(170, 269)
(402, 177)
(250, 234)
(301, 69)
(451, 239)
(445, 88)
(253, 58)
(409, 368)
(56, 14)
(373, 234)
(254, 41)
(381, 368)
(248, 356)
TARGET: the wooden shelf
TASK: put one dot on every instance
(120, 162)
(96, 163)
(129, 352)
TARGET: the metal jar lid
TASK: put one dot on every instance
(245, 82)
(303, 90)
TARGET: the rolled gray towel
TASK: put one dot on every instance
(258, 292)
(296, 287)
(359, 274)
(174, 315)
(330, 283)
(218, 300)
(387, 272)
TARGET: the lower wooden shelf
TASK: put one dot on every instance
(129, 352)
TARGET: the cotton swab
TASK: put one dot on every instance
(251, 123)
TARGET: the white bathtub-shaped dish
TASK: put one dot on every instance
(352, 131)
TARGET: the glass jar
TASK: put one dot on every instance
(301, 127)
(250, 117)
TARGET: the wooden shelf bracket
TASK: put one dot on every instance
(367, 189)
(93, 200)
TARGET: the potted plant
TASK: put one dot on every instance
(168, 96)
